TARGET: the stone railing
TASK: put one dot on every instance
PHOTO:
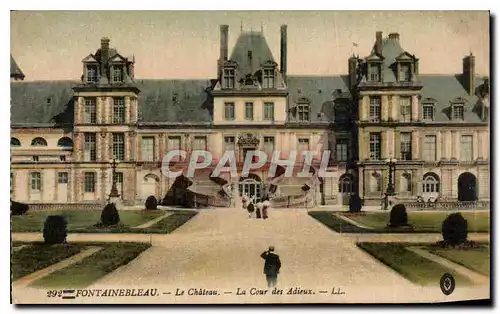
(448, 205)
(68, 206)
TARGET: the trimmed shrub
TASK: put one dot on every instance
(55, 230)
(109, 215)
(454, 229)
(355, 203)
(398, 217)
(17, 208)
(151, 203)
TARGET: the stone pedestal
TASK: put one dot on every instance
(117, 201)
(388, 202)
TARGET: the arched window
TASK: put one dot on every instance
(346, 184)
(405, 183)
(38, 141)
(65, 142)
(430, 183)
(14, 142)
(375, 182)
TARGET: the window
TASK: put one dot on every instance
(89, 147)
(229, 143)
(38, 141)
(119, 177)
(405, 183)
(405, 109)
(92, 74)
(62, 158)
(14, 142)
(35, 158)
(174, 143)
(269, 111)
(229, 111)
(36, 181)
(89, 183)
(430, 183)
(374, 72)
(430, 147)
(303, 112)
(119, 110)
(62, 178)
(119, 146)
(269, 78)
(269, 145)
(117, 73)
(65, 142)
(302, 145)
(375, 111)
(405, 146)
(458, 112)
(466, 147)
(148, 148)
(342, 149)
(404, 72)
(428, 113)
(228, 81)
(89, 114)
(346, 184)
(249, 111)
(375, 146)
(200, 143)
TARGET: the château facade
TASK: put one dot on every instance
(64, 133)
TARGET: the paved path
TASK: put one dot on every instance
(29, 279)
(464, 271)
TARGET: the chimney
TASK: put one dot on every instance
(394, 36)
(283, 51)
(104, 55)
(224, 35)
(378, 42)
(469, 73)
(353, 67)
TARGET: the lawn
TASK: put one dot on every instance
(37, 256)
(477, 259)
(425, 221)
(170, 223)
(94, 267)
(81, 221)
(328, 219)
(415, 268)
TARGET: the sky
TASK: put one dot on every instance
(50, 45)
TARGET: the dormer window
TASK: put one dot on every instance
(428, 112)
(269, 78)
(228, 78)
(117, 73)
(458, 112)
(374, 72)
(303, 111)
(404, 72)
(92, 73)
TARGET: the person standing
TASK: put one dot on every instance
(265, 207)
(258, 210)
(272, 266)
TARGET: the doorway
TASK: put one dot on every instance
(467, 187)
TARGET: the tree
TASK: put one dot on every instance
(55, 229)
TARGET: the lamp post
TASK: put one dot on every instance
(114, 189)
(391, 162)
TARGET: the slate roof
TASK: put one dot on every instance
(159, 101)
(15, 70)
(446, 88)
(320, 90)
(391, 49)
(257, 44)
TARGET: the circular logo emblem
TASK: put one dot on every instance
(447, 284)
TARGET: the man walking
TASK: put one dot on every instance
(272, 266)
